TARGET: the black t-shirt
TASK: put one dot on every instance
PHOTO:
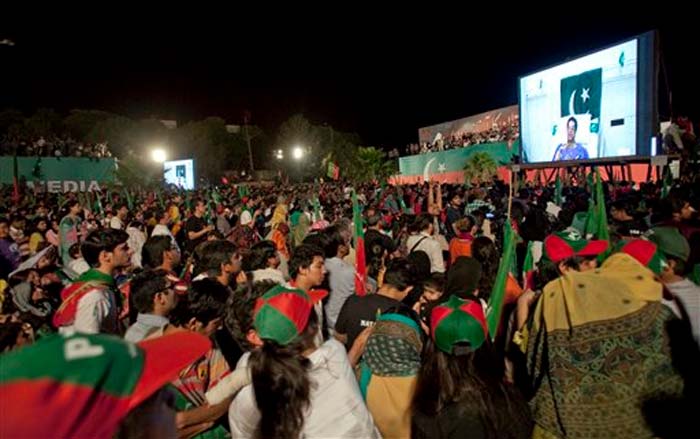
(194, 224)
(633, 227)
(360, 312)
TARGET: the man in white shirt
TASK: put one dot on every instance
(117, 221)
(90, 304)
(673, 245)
(161, 229)
(424, 241)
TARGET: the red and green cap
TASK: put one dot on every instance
(458, 326)
(83, 385)
(567, 244)
(645, 252)
(281, 314)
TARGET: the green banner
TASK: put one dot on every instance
(454, 159)
(69, 174)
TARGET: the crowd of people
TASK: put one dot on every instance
(506, 132)
(51, 147)
(236, 312)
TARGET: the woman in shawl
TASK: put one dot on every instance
(388, 371)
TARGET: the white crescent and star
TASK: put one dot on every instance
(426, 170)
(585, 95)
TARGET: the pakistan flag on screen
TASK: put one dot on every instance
(580, 94)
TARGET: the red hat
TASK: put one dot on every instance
(645, 252)
(83, 385)
(564, 245)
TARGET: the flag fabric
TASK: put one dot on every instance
(557, 191)
(667, 182)
(333, 170)
(242, 191)
(602, 231)
(98, 203)
(317, 209)
(359, 244)
(129, 202)
(15, 180)
(581, 94)
(160, 200)
(498, 293)
(528, 268)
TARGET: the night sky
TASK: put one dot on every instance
(381, 77)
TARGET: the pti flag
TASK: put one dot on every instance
(580, 94)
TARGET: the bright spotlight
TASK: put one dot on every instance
(158, 155)
(297, 153)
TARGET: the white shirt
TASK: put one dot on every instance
(116, 223)
(431, 247)
(161, 230)
(337, 409)
(96, 313)
(135, 242)
(246, 218)
(689, 295)
(78, 266)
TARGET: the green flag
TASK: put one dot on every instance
(557, 191)
(580, 94)
(317, 209)
(667, 182)
(498, 293)
(160, 200)
(129, 201)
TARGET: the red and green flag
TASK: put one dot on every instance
(359, 243)
(333, 170)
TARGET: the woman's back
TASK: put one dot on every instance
(336, 408)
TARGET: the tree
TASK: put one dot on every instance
(80, 123)
(44, 122)
(10, 118)
(370, 164)
(215, 149)
(480, 168)
(116, 132)
(297, 130)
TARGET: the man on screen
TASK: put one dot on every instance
(570, 150)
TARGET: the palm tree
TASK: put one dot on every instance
(480, 168)
(370, 164)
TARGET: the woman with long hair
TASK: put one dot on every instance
(297, 390)
(461, 390)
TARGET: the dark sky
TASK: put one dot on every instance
(382, 77)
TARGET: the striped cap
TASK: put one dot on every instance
(281, 314)
(458, 326)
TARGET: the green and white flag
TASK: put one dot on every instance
(581, 94)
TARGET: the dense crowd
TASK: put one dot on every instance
(54, 146)
(245, 311)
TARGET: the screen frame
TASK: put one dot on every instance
(647, 111)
